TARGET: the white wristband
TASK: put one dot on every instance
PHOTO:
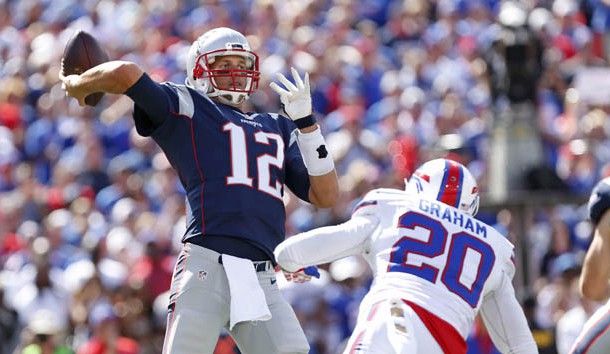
(315, 155)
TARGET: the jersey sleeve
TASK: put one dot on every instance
(375, 201)
(153, 103)
(368, 205)
(325, 244)
(505, 320)
(599, 200)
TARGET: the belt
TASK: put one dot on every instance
(259, 266)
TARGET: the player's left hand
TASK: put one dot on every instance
(302, 275)
(295, 99)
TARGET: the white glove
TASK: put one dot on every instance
(295, 99)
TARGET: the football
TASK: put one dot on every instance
(83, 52)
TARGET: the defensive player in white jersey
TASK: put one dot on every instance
(595, 276)
(435, 267)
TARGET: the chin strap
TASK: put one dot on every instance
(224, 98)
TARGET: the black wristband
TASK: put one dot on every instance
(305, 122)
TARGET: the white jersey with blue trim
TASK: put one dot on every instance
(427, 251)
(422, 250)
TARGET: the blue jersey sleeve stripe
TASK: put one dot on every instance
(364, 204)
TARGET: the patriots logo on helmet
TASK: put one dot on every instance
(236, 46)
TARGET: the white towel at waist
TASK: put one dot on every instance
(247, 297)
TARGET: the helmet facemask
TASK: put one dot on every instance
(207, 50)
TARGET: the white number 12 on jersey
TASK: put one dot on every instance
(239, 160)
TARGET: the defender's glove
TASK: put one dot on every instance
(296, 100)
(302, 275)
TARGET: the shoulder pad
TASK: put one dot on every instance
(377, 197)
(599, 201)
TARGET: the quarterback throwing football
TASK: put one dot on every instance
(234, 167)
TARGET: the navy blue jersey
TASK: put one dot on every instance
(232, 165)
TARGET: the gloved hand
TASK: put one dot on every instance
(295, 99)
(302, 275)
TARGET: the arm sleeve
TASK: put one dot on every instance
(152, 104)
(325, 244)
(506, 322)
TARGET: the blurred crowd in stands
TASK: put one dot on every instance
(91, 214)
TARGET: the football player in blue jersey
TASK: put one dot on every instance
(595, 276)
(233, 166)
